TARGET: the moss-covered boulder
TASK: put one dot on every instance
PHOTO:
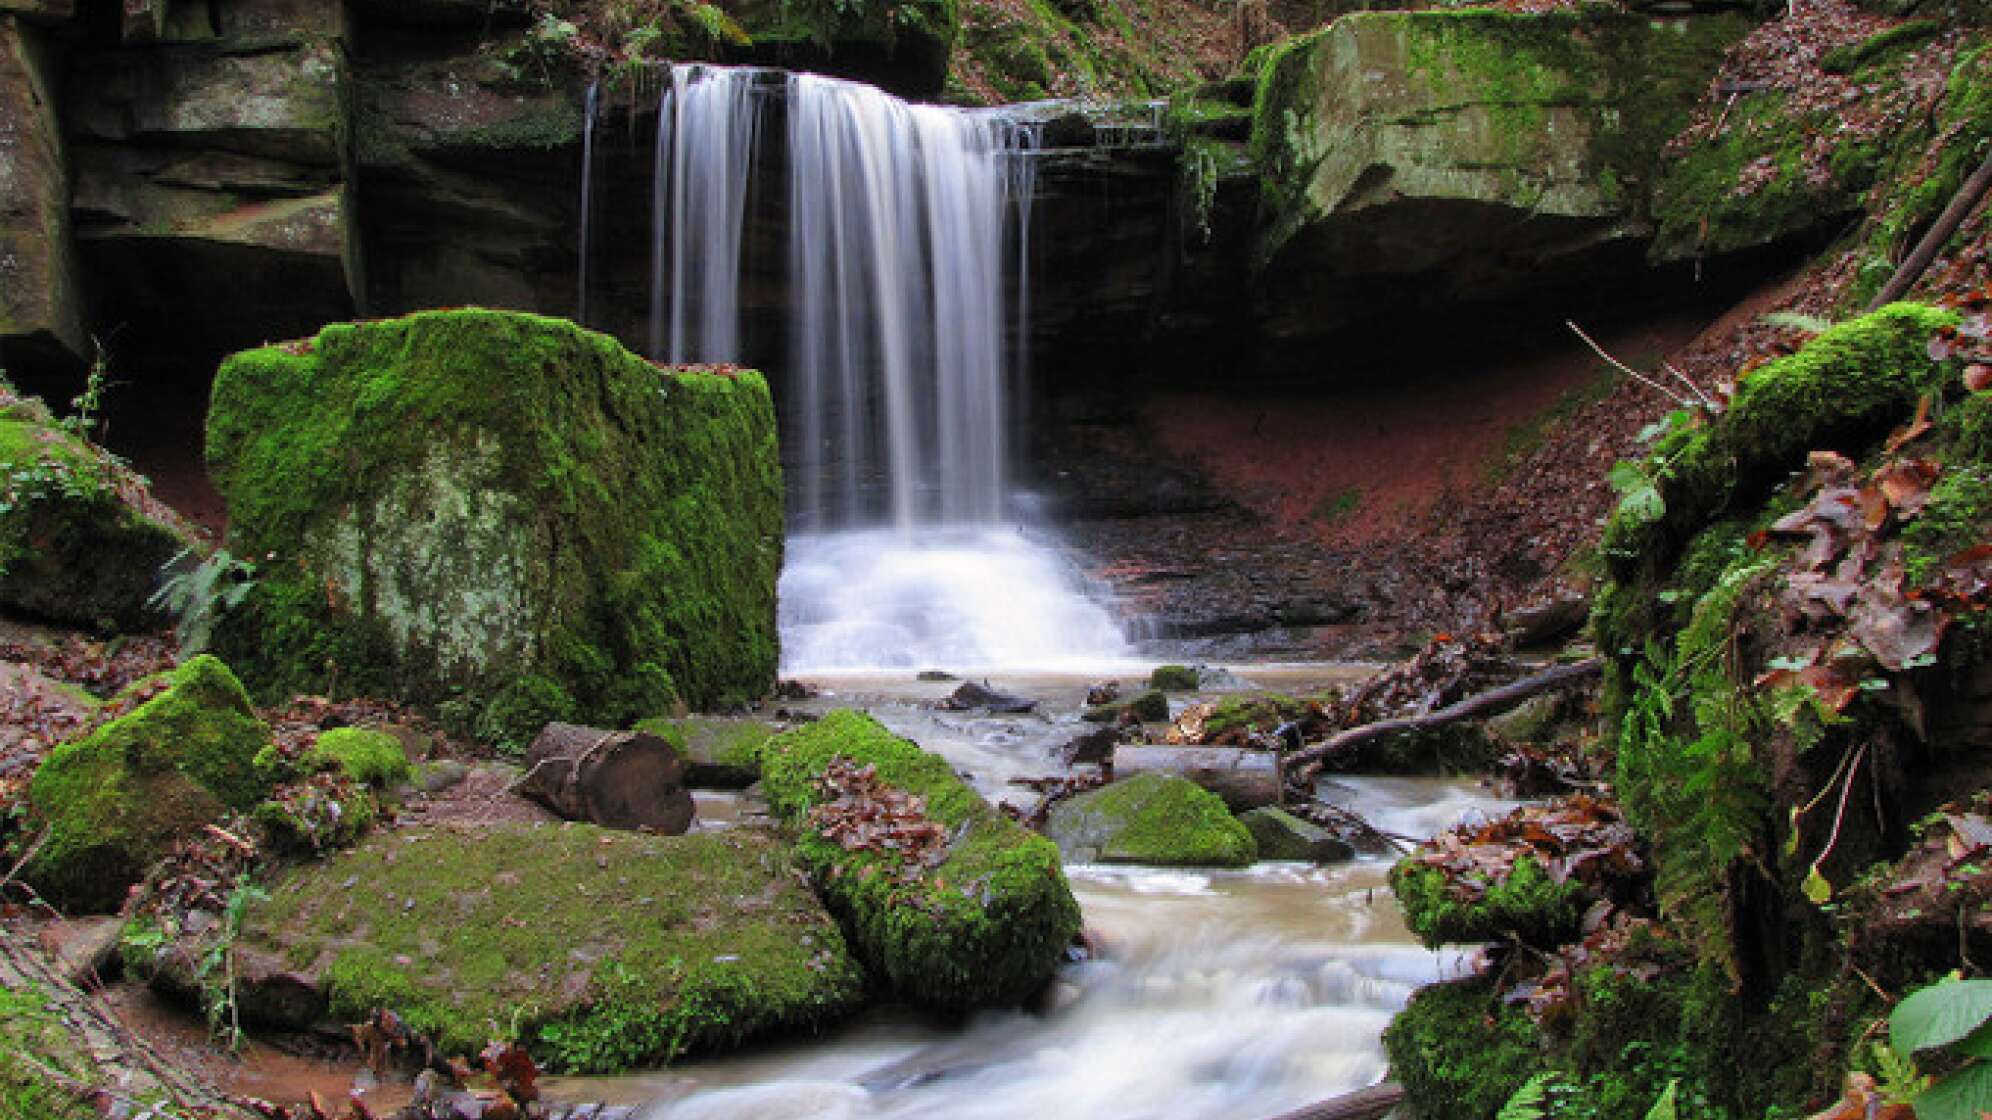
(1281, 835)
(599, 950)
(971, 910)
(1521, 903)
(1443, 155)
(1460, 1052)
(1151, 818)
(501, 513)
(1173, 678)
(81, 542)
(720, 752)
(117, 799)
(363, 755)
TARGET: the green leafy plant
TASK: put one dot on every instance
(200, 595)
(218, 992)
(86, 408)
(1955, 1018)
(1529, 1101)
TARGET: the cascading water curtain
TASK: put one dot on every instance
(898, 218)
(708, 137)
(587, 200)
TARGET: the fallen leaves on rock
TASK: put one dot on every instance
(1580, 837)
(863, 813)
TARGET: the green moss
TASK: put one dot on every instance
(317, 818)
(718, 751)
(73, 549)
(372, 758)
(600, 950)
(1251, 712)
(1151, 818)
(986, 926)
(501, 514)
(1901, 37)
(116, 800)
(1173, 678)
(1836, 393)
(34, 1041)
(1525, 905)
(1955, 519)
(1460, 1052)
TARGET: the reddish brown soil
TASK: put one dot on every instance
(1373, 463)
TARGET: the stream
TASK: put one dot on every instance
(1220, 994)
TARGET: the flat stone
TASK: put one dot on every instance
(1281, 835)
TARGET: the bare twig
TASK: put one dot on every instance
(1684, 402)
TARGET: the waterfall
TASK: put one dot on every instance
(899, 216)
(908, 243)
(587, 199)
(708, 131)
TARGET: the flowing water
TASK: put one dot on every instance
(908, 267)
(1220, 994)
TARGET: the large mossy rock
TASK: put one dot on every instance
(119, 798)
(81, 542)
(984, 922)
(502, 513)
(41, 308)
(600, 950)
(1419, 158)
(1151, 818)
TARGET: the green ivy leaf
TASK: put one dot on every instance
(1817, 888)
(1940, 1015)
(1664, 1108)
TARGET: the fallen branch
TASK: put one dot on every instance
(1363, 1104)
(1306, 763)
(1961, 205)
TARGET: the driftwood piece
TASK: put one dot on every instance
(1305, 763)
(1961, 205)
(1363, 1104)
(1245, 779)
(617, 779)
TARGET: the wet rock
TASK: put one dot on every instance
(1102, 692)
(980, 697)
(1281, 835)
(935, 675)
(1173, 678)
(1091, 748)
(1539, 624)
(84, 950)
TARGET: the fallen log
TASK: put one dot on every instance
(1961, 205)
(1245, 779)
(1363, 1104)
(1304, 764)
(617, 779)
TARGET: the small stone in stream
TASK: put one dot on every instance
(972, 696)
(439, 776)
(1173, 678)
(935, 675)
(1281, 835)
(1103, 692)
(1093, 747)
